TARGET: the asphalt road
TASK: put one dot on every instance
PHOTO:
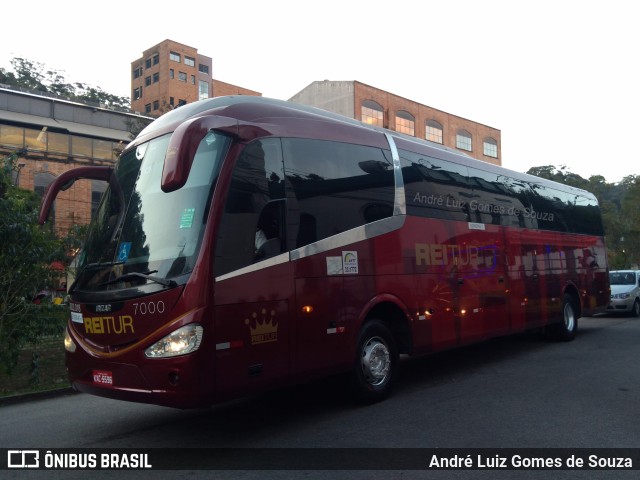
(516, 392)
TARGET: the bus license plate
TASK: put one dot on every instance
(103, 377)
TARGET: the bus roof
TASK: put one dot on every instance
(261, 110)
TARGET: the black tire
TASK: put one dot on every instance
(565, 330)
(376, 363)
(635, 310)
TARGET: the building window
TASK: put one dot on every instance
(405, 123)
(463, 140)
(35, 139)
(103, 149)
(137, 93)
(181, 102)
(81, 146)
(147, 63)
(41, 181)
(171, 101)
(193, 79)
(147, 81)
(13, 136)
(137, 73)
(147, 108)
(58, 143)
(156, 77)
(490, 147)
(172, 74)
(189, 61)
(203, 68)
(433, 131)
(182, 76)
(372, 113)
(156, 59)
(97, 189)
(203, 90)
(174, 56)
(156, 105)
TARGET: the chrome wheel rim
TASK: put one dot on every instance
(569, 317)
(375, 361)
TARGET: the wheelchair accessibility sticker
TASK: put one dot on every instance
(123, 251)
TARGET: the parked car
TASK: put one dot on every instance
(625, 292)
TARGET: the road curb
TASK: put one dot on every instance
(30, 397)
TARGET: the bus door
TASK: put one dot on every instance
(252, 330)
(254, 279)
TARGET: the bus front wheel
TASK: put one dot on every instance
(376, 363)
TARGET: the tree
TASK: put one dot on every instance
(33, 76)
(630, 222)
(27, 252)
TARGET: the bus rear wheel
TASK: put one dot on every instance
(565, 330)
(374, 370)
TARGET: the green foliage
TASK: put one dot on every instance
(34, 76)
(26, 253)
(619, 206)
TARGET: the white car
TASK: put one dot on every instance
(625, 291)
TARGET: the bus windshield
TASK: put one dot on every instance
(154, 238)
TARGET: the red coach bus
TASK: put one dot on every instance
(245, 243)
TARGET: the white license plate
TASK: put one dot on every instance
(103, 377)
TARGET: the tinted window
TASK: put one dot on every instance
(493, 199)
(585, 216)
(336, 186)
(255, 201)
(435, 188)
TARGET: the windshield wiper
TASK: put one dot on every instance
(146, 276)
(93, 266)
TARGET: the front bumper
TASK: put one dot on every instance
(620, 304)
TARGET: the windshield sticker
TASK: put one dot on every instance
(186, 219)
(123, 251)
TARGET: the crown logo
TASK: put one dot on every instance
(263, 328)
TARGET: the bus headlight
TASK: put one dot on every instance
(184, 340)
(69, 344)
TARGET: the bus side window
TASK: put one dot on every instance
(255, 199)
(270, 233)
(335, 187)
(435, 188)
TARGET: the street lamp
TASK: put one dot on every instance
(20, 167)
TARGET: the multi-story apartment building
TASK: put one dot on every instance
(171, 74)
(378, 107)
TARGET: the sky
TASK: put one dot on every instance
(560, 79)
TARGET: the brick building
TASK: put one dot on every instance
(54, 135)
(171, 74)
(372, 105)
